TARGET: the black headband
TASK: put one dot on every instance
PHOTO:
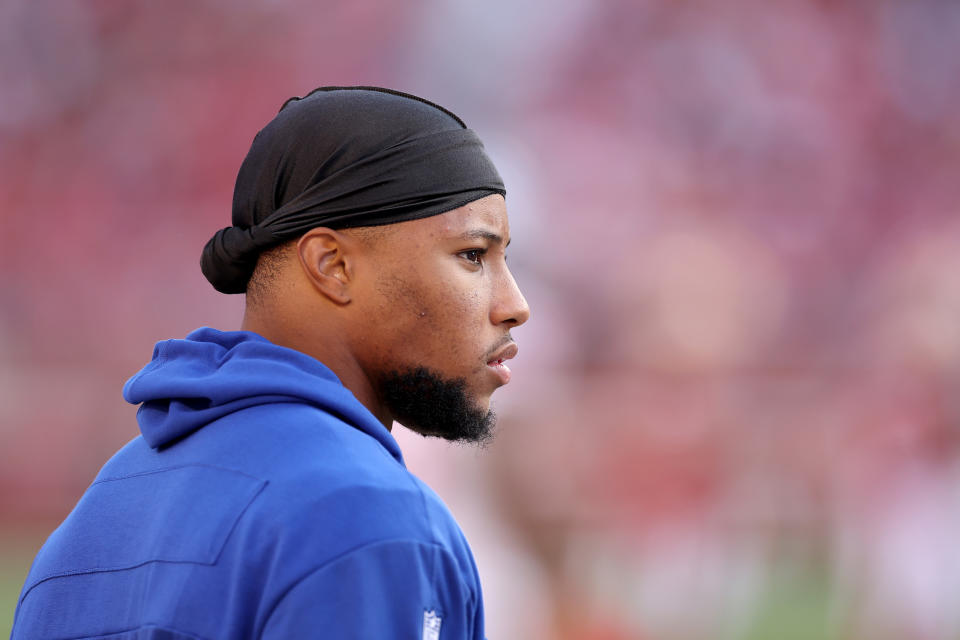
(346, 157)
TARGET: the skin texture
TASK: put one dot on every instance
(432, 295)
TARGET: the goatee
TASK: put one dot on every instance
(426, 402)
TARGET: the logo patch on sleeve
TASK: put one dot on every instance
(431, 625)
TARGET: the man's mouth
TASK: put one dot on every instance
(498, 363)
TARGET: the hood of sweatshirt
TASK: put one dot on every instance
(209, 374)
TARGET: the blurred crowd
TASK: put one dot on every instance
(735, 409)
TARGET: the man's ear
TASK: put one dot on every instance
(327, 262)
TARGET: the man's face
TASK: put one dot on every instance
(436, 311)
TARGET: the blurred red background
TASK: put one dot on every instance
(735, 409)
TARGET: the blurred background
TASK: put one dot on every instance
(735, 413)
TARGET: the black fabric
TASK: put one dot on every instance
(346, 157)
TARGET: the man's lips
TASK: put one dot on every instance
(498, 362)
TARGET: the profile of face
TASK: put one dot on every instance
(434, 306)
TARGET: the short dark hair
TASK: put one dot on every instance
(267, 273)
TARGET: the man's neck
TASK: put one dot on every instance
(331, 350)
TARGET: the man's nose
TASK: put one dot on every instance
(510, 307)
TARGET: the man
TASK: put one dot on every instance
(266, 497)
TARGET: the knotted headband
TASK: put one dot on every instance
(346, 157)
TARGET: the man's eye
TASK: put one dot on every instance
(473, 255)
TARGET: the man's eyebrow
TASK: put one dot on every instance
(484, 234)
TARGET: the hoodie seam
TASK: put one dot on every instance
(164, 351)
(154, 364)
(109, 569)
(172, 468)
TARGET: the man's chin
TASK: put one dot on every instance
(429, 404)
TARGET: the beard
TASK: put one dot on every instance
(426, 402)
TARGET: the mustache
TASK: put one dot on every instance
(501, 343)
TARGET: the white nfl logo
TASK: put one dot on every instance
(431, 625)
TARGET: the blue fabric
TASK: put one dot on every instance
(262, 500)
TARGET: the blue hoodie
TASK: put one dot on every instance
(262, 500)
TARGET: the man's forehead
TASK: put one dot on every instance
(483, 218)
